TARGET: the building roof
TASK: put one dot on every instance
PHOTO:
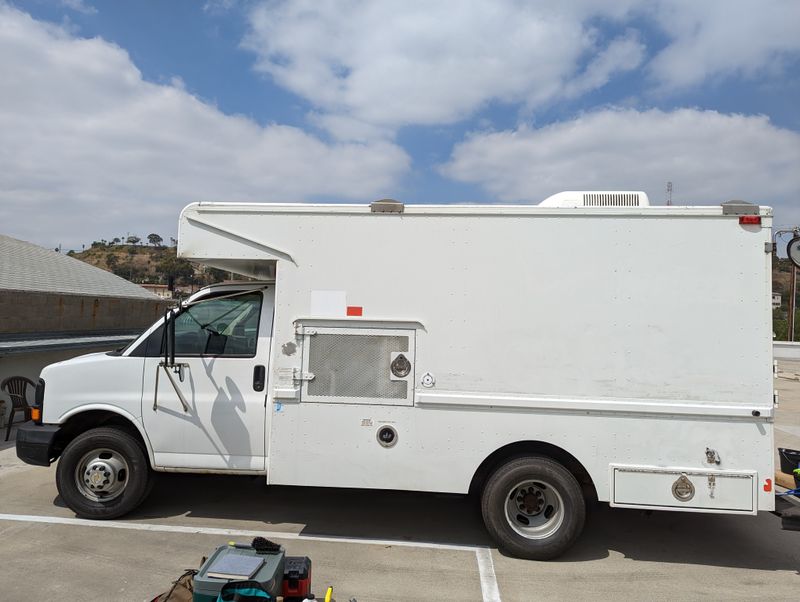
(27, 267)
(42, 343)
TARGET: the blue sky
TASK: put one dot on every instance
(125, 112)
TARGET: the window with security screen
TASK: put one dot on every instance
(358, 365)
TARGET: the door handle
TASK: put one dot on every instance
(259, 375)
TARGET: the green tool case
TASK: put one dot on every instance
(269, 575)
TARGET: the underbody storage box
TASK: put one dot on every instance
(698, 490)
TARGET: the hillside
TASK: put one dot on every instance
(155, 264)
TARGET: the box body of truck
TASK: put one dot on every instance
(632, 338)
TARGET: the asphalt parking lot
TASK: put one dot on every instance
(373, 545)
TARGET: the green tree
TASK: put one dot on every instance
(133, 240)
(129, 271)
(172, 267)
(155, 239)
(215, 275)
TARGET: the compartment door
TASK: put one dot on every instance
(684, 489)
(370, 366)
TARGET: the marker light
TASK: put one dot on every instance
(750, 220)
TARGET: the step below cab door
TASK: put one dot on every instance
(222, 350)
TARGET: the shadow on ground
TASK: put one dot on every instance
(400, 515)
(750, 542)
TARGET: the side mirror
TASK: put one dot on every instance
(215, 343)
(793, 251)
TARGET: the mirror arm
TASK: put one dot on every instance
(168, 361)
(172, 342)
(155, 395)
(173, 383)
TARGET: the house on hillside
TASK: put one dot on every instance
(160, 290)
(54, 307)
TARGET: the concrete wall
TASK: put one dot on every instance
(24, 312)
(783, 350)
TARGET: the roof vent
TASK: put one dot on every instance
(600, 198)
(387, 206)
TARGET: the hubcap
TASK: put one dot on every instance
(101, 475)
(534, 509)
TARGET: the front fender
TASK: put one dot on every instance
(108, 408)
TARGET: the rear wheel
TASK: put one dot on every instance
(103, 473)
(533, 507)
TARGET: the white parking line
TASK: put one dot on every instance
(489, 587)
(110, 524)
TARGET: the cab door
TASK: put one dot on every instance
(222, 347)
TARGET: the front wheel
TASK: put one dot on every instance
(103, 473)
(533, 507)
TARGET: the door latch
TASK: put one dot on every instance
(259, 377)
(299, 375)
(712, 484)
(712, 457)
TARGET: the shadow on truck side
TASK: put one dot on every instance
(752, 542)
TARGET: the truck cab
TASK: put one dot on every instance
(205, 411)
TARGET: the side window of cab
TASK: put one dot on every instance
(215, 327)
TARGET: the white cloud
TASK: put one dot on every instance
(80, 6)
(622, 54)
(372, 67)
(89, 149)
(718, 38)
(219, 7)
(710, 157)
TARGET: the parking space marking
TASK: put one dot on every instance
(110, 524)
(489, 587)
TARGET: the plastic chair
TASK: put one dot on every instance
(17, 388)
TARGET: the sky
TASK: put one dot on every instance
(115, 115)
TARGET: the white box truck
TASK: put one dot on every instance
(592, 347)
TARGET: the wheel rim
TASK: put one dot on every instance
(101, 475)
(534, 509)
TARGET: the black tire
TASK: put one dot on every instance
(526, 489)
(132, 487)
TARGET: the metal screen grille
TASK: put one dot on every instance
(610, 199)
(355, 365)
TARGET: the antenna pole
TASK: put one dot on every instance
(792, 303)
